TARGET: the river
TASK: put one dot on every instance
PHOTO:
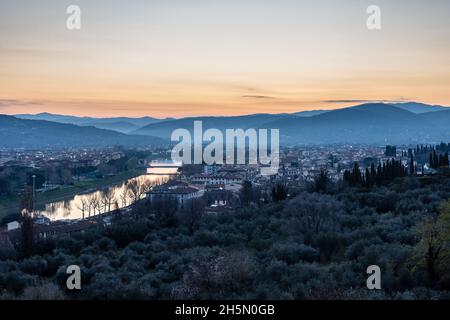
(106, 200)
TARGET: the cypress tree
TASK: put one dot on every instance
(356, 174)
(368, 178)
(411, 166)
(436, 160)
(430, 160)
(373, 173)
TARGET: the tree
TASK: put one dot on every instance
(354, 177)
(124, 195)
(108, 198)
(432, 251)
(26, 199)
(83, 205)
(385, 172)
(219, 277)
(368, 178)
(147, 185)
(315, 212)
(66, 176)
(321, 182)
(26, 221)
(97, 203)
(279, 192)
(27, 234)
(94, 203)
(411, 166)
(136, 189)
(430, 160)
(165, 210)
(246, 193)
(191, 213)
(46, 291)
(443, 160)
(435, 160)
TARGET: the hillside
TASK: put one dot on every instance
(120, 124)
(377, 123)
(21, 133)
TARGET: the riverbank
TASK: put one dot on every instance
(10, 204)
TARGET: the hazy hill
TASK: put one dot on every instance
(438, 118)
(164, 129)
(121, 124)
(416, 107)
(367, 123)
(15, 132)
(310, 113)
(377, 123)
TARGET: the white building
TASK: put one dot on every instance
(13, 225)
(220, 178)
(180, 192)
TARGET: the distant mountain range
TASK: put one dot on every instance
(371, 123)
(375, 123)
(23, 133)
(164, 129)
(414, 107)
(120, 124)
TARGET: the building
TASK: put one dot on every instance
(178, 191)
(223, 178)
(217, 195)
(13, 225)
(210, 169)
(44, 231)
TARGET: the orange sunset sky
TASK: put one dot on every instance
(176, 58)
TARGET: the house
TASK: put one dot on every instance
(210, 169)
(44, 231)
(41, 231)
(181, 192)
(200, 178)
(13, 225)
(217, 195)
(222, 178)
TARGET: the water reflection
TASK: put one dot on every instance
(106, 200)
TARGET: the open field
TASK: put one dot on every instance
(9, 204)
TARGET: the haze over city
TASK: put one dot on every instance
(179, 58)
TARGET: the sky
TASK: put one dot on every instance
(176, 58)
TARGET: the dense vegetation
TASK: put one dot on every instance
(310, 245)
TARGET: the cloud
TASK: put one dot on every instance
(258, 97)
(401, 99)
(15, 102)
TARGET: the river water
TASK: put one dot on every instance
(105, 200)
